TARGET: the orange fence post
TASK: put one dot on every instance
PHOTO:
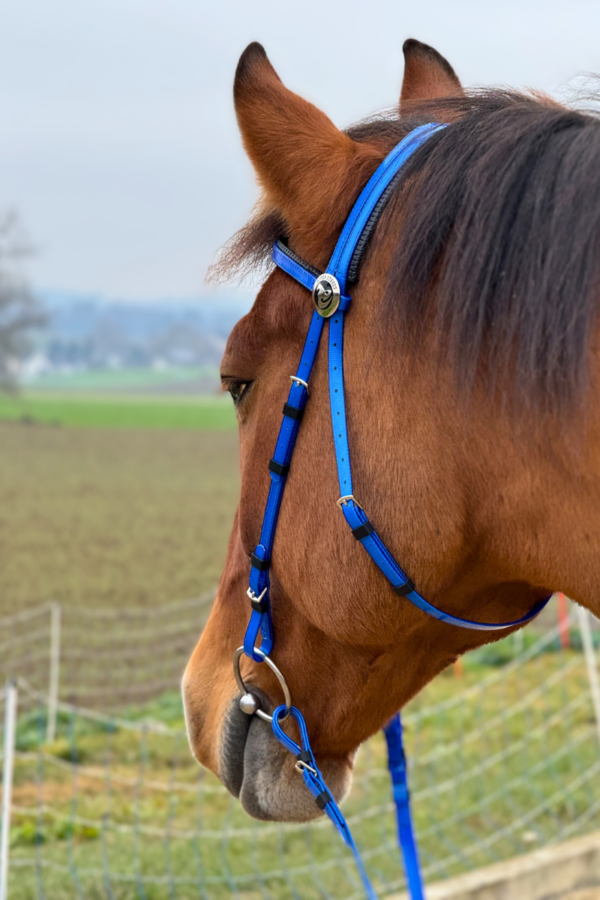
(563, 622)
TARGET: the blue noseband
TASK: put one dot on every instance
(332, 301)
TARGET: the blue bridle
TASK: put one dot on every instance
(332, 301)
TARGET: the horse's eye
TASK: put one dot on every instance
(237, 387)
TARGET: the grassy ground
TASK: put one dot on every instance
(113, 813)
(130, 515)
(77, 410)
(124, 379)
(113, 517)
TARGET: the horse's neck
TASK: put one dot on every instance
(499, 510)
(557, 519)
(535, 501)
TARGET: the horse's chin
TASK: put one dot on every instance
(258, 770)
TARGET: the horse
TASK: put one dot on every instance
(473, 400)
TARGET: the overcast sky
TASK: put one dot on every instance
(118, 142)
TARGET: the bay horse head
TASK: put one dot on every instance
(471, 379)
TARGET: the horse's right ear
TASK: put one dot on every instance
(427, 75)
(301, 159)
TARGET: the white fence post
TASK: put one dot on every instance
(54, 675)
(590, 661)
(10, 728)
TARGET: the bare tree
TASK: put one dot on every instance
(20, 312)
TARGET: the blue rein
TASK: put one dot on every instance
(332, 302)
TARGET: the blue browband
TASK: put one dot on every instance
(332, 301)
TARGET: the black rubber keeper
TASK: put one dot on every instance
(276, 467)
(403, 589)
(261, 564)
(260, 606)
(292, 411)
(323, 799)
(363, 531)
(305, 756)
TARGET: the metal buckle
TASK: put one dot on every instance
(343, 501)
(240, 682)
(300, 381)
(301, 766)
(252, 596)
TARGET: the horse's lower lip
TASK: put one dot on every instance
(233, 744)
(258, 770)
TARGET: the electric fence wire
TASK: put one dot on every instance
(503, 760)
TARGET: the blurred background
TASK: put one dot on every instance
(121, 175)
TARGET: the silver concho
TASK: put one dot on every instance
(326, 295)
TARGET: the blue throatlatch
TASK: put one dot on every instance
(332, 301)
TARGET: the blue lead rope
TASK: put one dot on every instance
(406, 833)
(315, 783)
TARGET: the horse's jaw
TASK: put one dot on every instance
(258, 770)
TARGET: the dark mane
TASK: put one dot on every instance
(499, 241)
(500, 244)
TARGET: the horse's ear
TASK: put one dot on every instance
(300, 157)
(427, 75)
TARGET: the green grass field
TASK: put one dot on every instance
(123, 379)
(112, 516)
(135, 411)
(129, 502)
(109, 812)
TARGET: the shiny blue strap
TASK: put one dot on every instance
(339, 266)
(406, 834)
(369, 197)
(313, 780)
(287, 261)
(259, 578)
(304, 275)
(355, 515)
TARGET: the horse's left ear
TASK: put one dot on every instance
(427, 75)
(306, 166)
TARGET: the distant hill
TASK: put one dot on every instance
(86, 333)
(77, 315)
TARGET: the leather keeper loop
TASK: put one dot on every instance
(276, 467)
(261, 564)
(323, 799)
(403, 589)
(292, 412)
(363, 531)
(260, 606)
(305, 756)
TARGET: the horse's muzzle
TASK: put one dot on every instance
(255, 767)
(243, 751)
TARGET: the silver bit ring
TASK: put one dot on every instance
(244, 690)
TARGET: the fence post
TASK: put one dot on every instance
(54, 675)
(563, 621)
(590, 661)
(8, 759)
